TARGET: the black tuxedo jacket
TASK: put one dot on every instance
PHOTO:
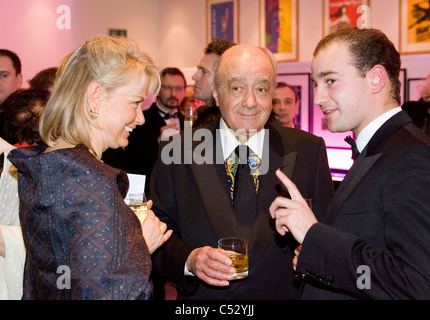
(142, 149)
(193, 199)
(379, 219)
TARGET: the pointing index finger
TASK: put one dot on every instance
(291, 187)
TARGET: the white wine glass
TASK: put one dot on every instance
(137, 203)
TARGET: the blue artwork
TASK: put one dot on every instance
(222, 21)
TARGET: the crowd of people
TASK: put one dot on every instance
(69, 141)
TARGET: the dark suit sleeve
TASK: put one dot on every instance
(402, 269)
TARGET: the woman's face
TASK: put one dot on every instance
(119, 113)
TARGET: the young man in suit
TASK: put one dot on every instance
(194, 197)
(373, 242)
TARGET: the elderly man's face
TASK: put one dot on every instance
(246, 88)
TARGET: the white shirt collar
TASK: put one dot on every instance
(367, 133)
(229, 142)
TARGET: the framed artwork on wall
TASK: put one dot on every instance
(279, 28)
(301, 82)
(222, 20)
(414, 86)
(339, 14)
(118, 33)
(414, 26)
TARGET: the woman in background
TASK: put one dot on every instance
(82, 240)
(19, 115)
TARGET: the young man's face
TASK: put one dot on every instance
(341, 92)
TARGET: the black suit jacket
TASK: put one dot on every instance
(380, 219)
(193, 199)
(142, 149)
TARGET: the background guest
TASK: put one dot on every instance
(163, 118)
(20, 114)
(419, 111)
(10, 73)
(203, 78)
(12, 251)
(284, 105)
(44, 79)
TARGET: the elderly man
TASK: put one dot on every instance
(195, 198)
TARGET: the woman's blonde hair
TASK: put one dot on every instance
(110, 62)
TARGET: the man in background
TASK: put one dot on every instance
(162, 118)
(203, 81)
(10, 73)
(284, 105)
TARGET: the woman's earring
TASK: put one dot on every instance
(94, 114)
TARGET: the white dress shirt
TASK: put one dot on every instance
(229, 141)
(228, 144)
(367, 133)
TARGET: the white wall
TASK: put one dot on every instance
(172, 32)
(29, 27)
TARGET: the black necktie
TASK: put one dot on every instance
(354, 148)
(245, 197)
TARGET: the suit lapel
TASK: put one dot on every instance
(354, 176)
(211, 182)
(263, 229)
(364, 162)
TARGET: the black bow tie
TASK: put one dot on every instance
(166, 115)
(354, 148)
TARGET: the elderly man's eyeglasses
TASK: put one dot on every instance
(171, 88)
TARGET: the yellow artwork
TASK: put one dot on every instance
(285, 39)
(418, 21)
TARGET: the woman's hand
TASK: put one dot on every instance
(154, 231)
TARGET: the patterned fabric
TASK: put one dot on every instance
(254, 164)
(73, 216)
(11, 266)
(231, 164)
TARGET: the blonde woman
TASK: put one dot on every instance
(82, 240)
